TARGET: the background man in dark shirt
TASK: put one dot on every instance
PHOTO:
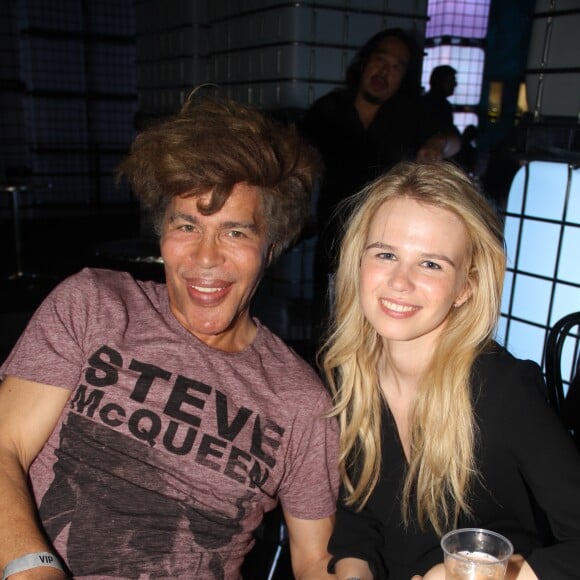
(442, 83)
(377, 120)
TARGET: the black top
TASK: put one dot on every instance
(439, 109)
(354, 155)
(528, 489)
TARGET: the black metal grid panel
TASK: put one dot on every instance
(542, 229)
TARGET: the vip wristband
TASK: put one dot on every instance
(29, 561)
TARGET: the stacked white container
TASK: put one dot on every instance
(277, 55)
(271, 54)
(553, 68)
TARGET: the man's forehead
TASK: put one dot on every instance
(394, 46)
(243, 205)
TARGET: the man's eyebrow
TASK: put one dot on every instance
(440, 257)
(241, 225)
(183, 216)
(226, 225)
(384, 51)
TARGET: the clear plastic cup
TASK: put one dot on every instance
(475, 554)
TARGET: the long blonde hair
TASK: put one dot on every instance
(442, 428)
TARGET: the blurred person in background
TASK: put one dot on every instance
(362, 130)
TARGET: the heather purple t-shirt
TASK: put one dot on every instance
(168, 452)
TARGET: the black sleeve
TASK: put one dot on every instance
(357, 534)
(550, 464)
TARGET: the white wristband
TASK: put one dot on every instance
(29, 561)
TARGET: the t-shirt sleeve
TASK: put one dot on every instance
(50, 350)
(550, 464)
(309, 488)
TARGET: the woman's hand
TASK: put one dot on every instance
(518, 569)
(436, 573)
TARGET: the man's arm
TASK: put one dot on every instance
(29, 412)
(308, 546)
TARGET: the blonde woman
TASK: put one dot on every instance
(440, 426)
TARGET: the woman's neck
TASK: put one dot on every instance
(401, 366)
(400, 369)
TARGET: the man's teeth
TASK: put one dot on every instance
(206, 290)
(397, 307)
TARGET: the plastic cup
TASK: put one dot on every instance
(475, 554)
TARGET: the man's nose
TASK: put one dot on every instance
(207, 252)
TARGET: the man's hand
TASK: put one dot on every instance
(519, 569)
(439, 147)
(432, 150)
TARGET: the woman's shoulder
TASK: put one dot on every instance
(499, 372)
(495, 359)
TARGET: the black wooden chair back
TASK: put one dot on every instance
(566, 402)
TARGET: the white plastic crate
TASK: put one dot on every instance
(56, 120)
(286, 62)
(113, 122)
(552, 74)
(280, 95)
(304, 23)
(56, 15)
(227, 8)
(360, 27)
(269, 53)
(112, 69)
(110, 17)
(402, 6)
(55, 64)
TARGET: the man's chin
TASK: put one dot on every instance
(374, 99)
